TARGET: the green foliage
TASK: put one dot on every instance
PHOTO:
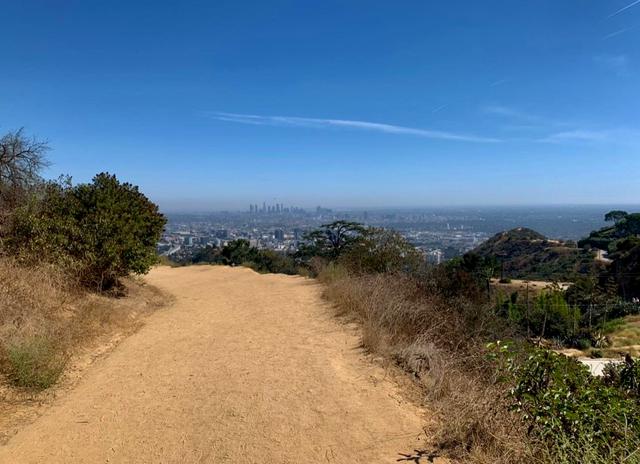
(34, 363)
(240, 252)
(625, 376)
(551, 315)
(562, 403)
(622, 241)
(103, 230)
(208, 254)
(468, 277)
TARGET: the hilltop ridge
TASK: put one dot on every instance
(523, 253)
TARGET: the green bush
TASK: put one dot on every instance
(34, 363)
(103, 230)
(564, 405)
(625, 376)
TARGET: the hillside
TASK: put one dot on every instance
(526, 254)
(622, 242)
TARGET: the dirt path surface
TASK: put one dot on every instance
(243, 368)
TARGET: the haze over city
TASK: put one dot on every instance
(215, 105)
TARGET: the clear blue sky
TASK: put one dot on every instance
(215, 104)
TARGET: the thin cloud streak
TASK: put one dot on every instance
(516, 114)
(623, 9)
(618, 136)
(616, 33)
(578, 136)
(318, 123)
(500, 82)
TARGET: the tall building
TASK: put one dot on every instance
(278, 234)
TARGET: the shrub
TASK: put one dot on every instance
(379, 251)
(563, 406)
(34, 363)
(103, 230)
(624, 376)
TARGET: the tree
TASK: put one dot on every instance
(237, 252)
(21, 161)
(615, 216)
(103, 230)
(331, 240)
(380, 250)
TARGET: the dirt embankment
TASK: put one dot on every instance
(242, 368)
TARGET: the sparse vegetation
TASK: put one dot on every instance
(34, 363)
(58, 243)
(525, 254)
(516, 404)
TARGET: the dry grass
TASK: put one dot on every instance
(438, 342)
(45, 318)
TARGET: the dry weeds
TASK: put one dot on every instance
(45, 317)
(439, 343)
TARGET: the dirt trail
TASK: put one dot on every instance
(243, 368)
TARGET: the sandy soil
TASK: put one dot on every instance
(242, 368)
(534, 285)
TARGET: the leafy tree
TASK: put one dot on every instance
(103, 230)
(237, 252)
(208, 254)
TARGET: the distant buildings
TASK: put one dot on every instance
(278, 208)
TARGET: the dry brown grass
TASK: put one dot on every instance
(439, 343)
(45, 317)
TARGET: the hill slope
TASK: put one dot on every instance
(526, 254)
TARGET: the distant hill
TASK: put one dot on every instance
(526, 254)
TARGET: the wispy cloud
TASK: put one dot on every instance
(578, 136)
(531, 120)
(505, 111)
(547, 130)
(618, 64)
(624, 136)
(499, 82)
(625, 8)
(318, 123)
(616, 33)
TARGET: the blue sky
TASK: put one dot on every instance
(215, 104)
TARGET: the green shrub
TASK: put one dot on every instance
(564, 405)
(34, 363)
(625, 376)
(596, 354)
(583, 344)
(103, 230)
